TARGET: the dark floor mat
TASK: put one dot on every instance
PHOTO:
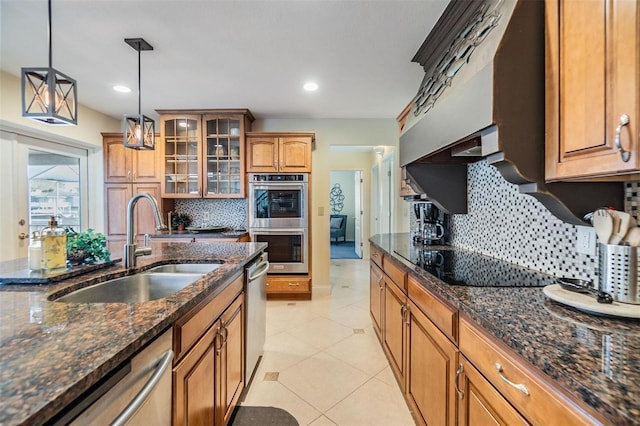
(262, 416)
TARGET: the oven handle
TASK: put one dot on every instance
(277, 231)
(281, 186)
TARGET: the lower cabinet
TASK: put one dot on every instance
(480, 403)
(208, 375)
(432, 361)
(116, 199)
(288, 287)
(450, 370)
(394, 330)
(376, 297)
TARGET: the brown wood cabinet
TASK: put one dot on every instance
(129, 172)
(453, 372)
(202, 153)
(208, 372)
(592, 82)
(288, 287)
(480, 403)
(394, 328)
(126, 165)
(279, 152)
(376, 297)
(432, 360)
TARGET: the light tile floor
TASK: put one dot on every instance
(323, 362)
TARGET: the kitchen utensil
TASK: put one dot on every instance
(603, 224)
(620, 272)
(632, 237)
(621, 223)
(582, 286)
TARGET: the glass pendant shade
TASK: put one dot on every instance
(139, 131)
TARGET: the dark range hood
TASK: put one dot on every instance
(483, 97)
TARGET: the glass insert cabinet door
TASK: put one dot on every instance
(181, 144)
(223, 153)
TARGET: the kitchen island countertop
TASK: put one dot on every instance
(52, 352)
(594, 359)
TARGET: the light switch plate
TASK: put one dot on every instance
(586, 241)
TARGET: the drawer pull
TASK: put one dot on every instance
(522, 388)
(624, 121)
(457, 379)
(294, 284)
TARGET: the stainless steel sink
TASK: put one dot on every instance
(188, 268)
(133, 288)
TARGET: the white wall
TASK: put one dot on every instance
(349, 132)
(85, 135)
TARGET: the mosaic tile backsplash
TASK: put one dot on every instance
(503, 223)
(222, 212)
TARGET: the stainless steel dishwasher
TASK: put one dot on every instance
(138, 393)
(256, 314)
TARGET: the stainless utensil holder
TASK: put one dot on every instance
(619, 272)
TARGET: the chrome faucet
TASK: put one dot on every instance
(131, 250)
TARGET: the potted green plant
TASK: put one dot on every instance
(180, 221)
(86, 247)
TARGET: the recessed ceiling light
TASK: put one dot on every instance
(121, 89)
(310, 86)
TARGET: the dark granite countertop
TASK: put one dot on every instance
(594, 359)
(189, 234)
(52, 352)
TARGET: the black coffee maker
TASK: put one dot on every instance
(431, 224)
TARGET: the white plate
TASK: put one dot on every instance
(588, 303)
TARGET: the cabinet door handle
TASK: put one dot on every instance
(129, 175)
(134, 175)
(407, 314)
(221, 340)
(459, 391)
(624, 121)
(522, 388)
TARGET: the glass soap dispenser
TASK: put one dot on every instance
(35, 251)
(54, 247)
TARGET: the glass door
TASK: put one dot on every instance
(40, 179)
(223, 165)
(181, 146)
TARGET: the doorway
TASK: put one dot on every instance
(43, 179)
(346, 194)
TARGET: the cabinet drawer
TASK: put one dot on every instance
(442, 315)
(376, 255)
(190, 327)
(544, 404)
(393, 270)
(288, 284)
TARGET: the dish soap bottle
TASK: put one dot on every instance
(35, 251)
(54, 247)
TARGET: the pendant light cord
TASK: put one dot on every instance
(50, 41)
(139, 84)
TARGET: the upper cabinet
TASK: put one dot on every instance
(203, 153)
(126, 165)
(279, 152)
(593, 89)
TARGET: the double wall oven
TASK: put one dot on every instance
(279, 216)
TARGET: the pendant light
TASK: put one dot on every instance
(48, 95)
(139, 130)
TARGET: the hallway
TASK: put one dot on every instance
(322, 361)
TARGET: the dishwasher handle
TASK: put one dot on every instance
(161, 366)
(262, 269)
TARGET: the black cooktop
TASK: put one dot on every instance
(463, 267)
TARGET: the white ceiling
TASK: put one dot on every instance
(229, 54)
